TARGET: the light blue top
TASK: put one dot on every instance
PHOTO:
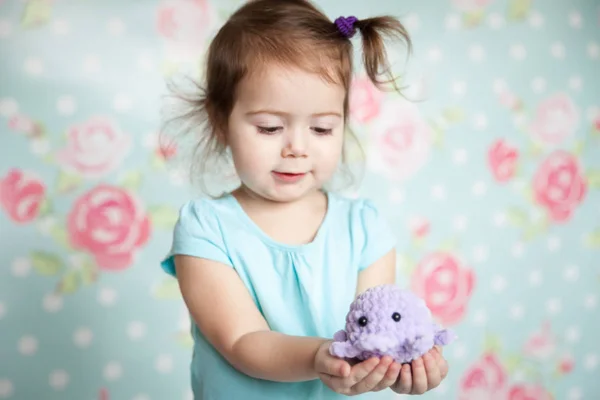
(301, 290)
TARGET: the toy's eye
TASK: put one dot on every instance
(396, 317)
(363, 321)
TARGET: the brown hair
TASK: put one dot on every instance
(285, 32)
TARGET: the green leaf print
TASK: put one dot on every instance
(37, 12)
(593, 239)
(163, 216)
(60, 235)
(517, 217)
(518, 9)
(593, 179)
(132, 180)
(46, 263)
(168, 289)
(67, 182)
(70, 282)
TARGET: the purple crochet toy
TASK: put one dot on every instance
(387, 320)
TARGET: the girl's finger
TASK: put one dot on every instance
(374, 378)
(432, 371)
(390, 377)
(360, 371)
(404, 385)
(419, 377)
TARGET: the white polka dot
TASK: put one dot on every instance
(141, 396)
(21, 267)
(479, 189)
(477, 53)
(452, 22)
(115, 26)
(396, 196)
(65, 105)
(122, 102)
(107, 296)
(459, 157)
(460, 351)
(459, 88)
(554, 244)
(188, 395)
(571, 273)
(500, 218)
(590, 301)
(52, 302)
(5, 28)
(164, 363)
(46, 223)
(557, 50)
(113, 371)
(33, 66)
(536, 20)
(91, 64)
(518, 51)
(573, 334)
(28, 345)
(2, 310)
(480, 122)
(442, 389)
(460, 223)
(8, 107)
(535, 277)
(554, 305)
(434, 54)
(574, 393)
(538, 85)
(412, 22)
(39, 146)
(136, 330)
(517, 311)
(480, 317)
(59, 379)
(60, 27)
(518, 249)
(593, 50)
(150, 141)
(499, 86)
(6, 388)
(178, 176)
(82, 337)
(438, 192)
(496, 20)
(481, 254)
(145, 62)
(590, 362)
(498, 283)
(575, 19)
(575, 82)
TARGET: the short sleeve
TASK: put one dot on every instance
(197, 233)
(378, 236)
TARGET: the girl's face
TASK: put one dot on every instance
(286, 131)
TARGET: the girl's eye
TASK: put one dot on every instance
(322, 131)
(268, 130)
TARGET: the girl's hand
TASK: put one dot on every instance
(423, 374)
(371, 375)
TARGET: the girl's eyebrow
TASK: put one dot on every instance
(284, 114)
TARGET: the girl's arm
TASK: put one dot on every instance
(227, 316)
(382, 271)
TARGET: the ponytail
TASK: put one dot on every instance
(375, 57)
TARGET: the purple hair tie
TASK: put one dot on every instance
(346, 25)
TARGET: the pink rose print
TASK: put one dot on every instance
(540, 345)
(559, 185)
(401, 141)
(185, 25)
(445, 285)
(471, 5)
(485, 379)
(23, 124)
(419, 227)
(95, 147)
(365, 100)
(566, 364)
(109, 223)
(502, 159)
(21, 195)
(528, 392)
(555, 120)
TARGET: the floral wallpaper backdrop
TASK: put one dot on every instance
(489, 173)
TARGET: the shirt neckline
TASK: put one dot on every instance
(274, 243)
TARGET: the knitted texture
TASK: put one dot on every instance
(346, 25)
(387, 320)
